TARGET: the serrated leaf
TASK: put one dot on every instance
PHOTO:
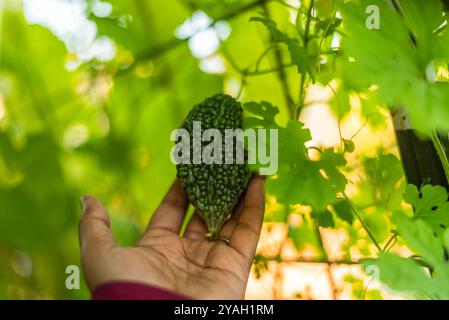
(299, 56)
(324, 218)
(440, 283)
(344, 211)
(328, 26)
(399, 274)
(373, 51)
(430, 205)
(383, 172)
(299, 180)
(330, 162)
(292, 141)
(264, 114)
(446, 240)
(420, 238)
(302, 184)
(272, 26)
(431, 196)
(302, 235)
(298, 53)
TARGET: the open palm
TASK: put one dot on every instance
(190, 265)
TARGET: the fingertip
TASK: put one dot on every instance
(92, 207)
(177, 191)
(255, 193)
(256, 175)
(94, 225)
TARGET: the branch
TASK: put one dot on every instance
(281, 72)
(326, 258)
(175, 42)
(318, 261)
(303, 82)
(359, 217)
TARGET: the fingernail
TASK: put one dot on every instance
(83, 204)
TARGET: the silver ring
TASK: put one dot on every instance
(224, 240)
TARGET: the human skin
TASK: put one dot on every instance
(190, 265)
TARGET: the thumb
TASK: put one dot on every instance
(94, 229)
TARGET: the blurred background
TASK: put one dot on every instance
(89, 93)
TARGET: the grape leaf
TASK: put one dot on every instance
(420, 238)
(299, 56)
(324, 218)
(330, 161)
(298, 53)
(299, 180)
(406, 47)
(263, 115)
(430, 205)
(343, 210)
(383, 172)
(272, 27)
(399, 274)
(407, 275)
(446, 240)
(302, 184)
(292, 141)
(303, 234)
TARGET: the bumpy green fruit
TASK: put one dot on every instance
(214, 189)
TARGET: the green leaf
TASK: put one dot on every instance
(331, 161)
(324, 218)
(292, 141)
(303, 234)
(263, 115)
(299, 180)
(328, 26)
(440, 283)
(302, 184)
(446, 240)
(372, 52)
(298, 53)
(383, 172)
(420, 238)
(431, 196)
(344, 211)
(430, 205)
(272, 26)
(299, 56)
(401, 275)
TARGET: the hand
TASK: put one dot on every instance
(190, 265)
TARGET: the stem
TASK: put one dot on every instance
(281, 72)
(270, 70)
(441, 154)
(338, 115)
(162, 48)
(391, 242)
(278, 259)
(326, 257)
(302, 95)
(307, 29)
(303, 82)
(359, 217)
(264, 53)
(231, 60)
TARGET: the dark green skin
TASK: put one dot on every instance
(214, 189)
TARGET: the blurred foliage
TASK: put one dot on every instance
(73, 122)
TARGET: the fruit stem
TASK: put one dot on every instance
(212, 236)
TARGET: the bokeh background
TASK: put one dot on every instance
(89, 93)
